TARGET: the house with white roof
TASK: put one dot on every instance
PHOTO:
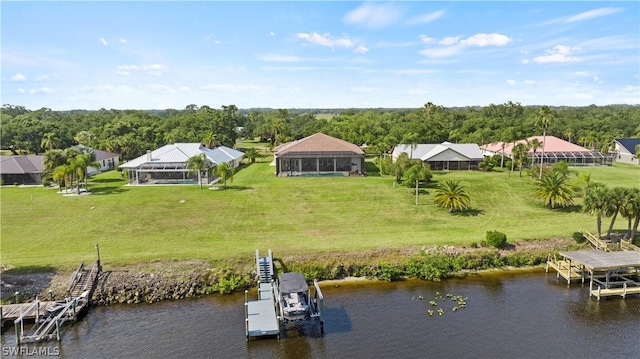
(445, 156)
(168, 164)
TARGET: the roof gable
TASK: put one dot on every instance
(318, 142)
(438, 152)
(629, 144)
(551, 144)
(181, 152)
(21, 164)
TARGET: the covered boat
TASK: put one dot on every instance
(294, 294)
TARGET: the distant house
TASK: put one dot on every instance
(445, 156)
(107, 161)
(168, 164)
(555, 150)
(625, 150)
(318, 155)
(24, 170)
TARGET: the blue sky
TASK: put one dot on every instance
(341, 54)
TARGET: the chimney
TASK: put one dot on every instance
(149, 155)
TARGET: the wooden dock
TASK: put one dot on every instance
(610, 273)
(261, 317)
(48, 317)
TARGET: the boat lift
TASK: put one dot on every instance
(274, 308)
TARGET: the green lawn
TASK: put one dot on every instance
(42, 228)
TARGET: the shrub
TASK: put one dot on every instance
(496, 239)
(578, 237)
(387, 272)
(474, 244)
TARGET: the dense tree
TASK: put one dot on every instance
(452, 196)
(596, 203)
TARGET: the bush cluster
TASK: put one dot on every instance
(496, 239)
(578, 237)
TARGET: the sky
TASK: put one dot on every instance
(329, 54)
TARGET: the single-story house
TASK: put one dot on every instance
(318, 155)
(445, 156)
(23, 170)
(107, 161)
(555, 150)
(168, 164)
(625, 150)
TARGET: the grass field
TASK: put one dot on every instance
(41, 228)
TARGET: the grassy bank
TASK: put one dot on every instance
(41, 228)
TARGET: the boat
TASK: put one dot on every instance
(294, 297)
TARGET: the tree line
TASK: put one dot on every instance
(132, 132)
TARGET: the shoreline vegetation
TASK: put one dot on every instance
(159, 281)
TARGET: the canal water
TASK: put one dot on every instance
(530, 315)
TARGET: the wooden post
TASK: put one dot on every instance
(18, 332)
(37, 310)
(57, 329)
(569, 276)
(75, 314)
(99, 263)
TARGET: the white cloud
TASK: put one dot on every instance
(19, 77)
(184, 89)
(374, 15)
(123, 41)
(529, 82)
(426, 39)
(153, 69)
(482, 40)
(525, 61)
(559, 54)
(426, 18)
(21, 90)
(362, 89)
(361, 50)
(278, 58)
(591, 14)
(325, 40)
(103, 41)
(441, 51)
(41, 90)
(42, 78)
(511, 82)
(449, 40)
(272, 33)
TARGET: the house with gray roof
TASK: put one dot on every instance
(443, 157)
(318, 155)
(625, 150)
(23, 170)
(168, 164)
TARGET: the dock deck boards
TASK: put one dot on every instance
(13, 311)
(262, 318)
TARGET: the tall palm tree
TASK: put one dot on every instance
(595, 203)
(199, 164)
(534, 144)
(544, 119)
(49, 141)
(554, 189)
(452, 195)
(618, 199)
(631, 211)
(210, 140)
(519, 154)
(60, 175)
(224, 171)
(86, 160)
(415, 174)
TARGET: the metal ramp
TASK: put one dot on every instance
(261, 317)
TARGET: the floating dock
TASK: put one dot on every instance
(264, 317)
(609, 273)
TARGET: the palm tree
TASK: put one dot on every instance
(534, 144)
(60, 175)
(49, 141)
(631, 210)
(198, 163)
(519, 154)
(224, 171)
(411, 139)
(595, 203)
(544, 119)
(554, 189)
(452, 195)
(210, 140)
(568, 134)
(618, 199)
(252, 154)
(86, 160)
(415, 174)
(638, 153)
